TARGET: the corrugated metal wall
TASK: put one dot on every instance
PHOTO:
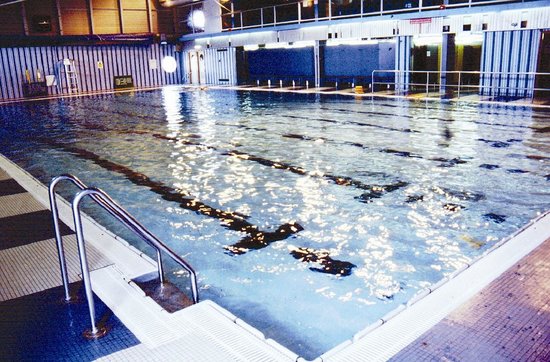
(505, 54)
(135, 60)
(220, 66)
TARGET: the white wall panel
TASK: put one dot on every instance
(220, 66)
(506, 57)
(117, 60)
(290, 35)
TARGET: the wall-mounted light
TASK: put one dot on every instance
(197, 19)
(169, 64)
(469, 38)
(251, 47)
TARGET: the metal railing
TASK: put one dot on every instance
(457, 84)
(108, 204)
(297, 12)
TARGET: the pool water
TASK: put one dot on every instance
(308, 216)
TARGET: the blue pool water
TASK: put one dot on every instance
(308, 216)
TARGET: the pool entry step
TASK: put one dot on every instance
(166, 294)
(203, 331)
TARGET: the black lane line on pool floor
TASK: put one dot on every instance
(355, 123)
(377, 190)
(444, 162)
(298, 170)
(373, 191)
(256, 238)
(433, 118)
(229, 220)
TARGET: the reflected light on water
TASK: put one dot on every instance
(172, 108)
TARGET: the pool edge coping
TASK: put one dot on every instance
(372, 95)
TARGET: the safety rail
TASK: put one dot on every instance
(108, 204)
(459, 83)
(297, 12)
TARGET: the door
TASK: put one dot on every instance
(425, 58)
(542, 82)
(471, 62)
(196, 67)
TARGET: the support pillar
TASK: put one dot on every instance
(402, 63)
(319, 61)
(448, 55)
(316, 9)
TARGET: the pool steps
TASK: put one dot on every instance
(203, 331)
(207, 321)
(127, 302)
(206, 330)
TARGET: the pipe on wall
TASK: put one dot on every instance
(171, 3)
(11, 2)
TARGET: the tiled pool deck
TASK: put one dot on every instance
(419, 96)
(509, 320)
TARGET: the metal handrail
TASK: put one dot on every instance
(331, 13)
(55, 215)
(400, 81)
(107, 203)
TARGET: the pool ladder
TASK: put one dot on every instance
(108, 204)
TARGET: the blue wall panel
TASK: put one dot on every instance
(281, 62)
(117, 60)
(351, 60)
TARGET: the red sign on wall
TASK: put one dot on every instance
(420, 21)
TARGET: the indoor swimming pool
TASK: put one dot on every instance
(309, 216)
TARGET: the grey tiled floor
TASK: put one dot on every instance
(508, 321)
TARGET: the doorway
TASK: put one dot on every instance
(196, 66)
(542, 82)
(469, 61)
(424, 59)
